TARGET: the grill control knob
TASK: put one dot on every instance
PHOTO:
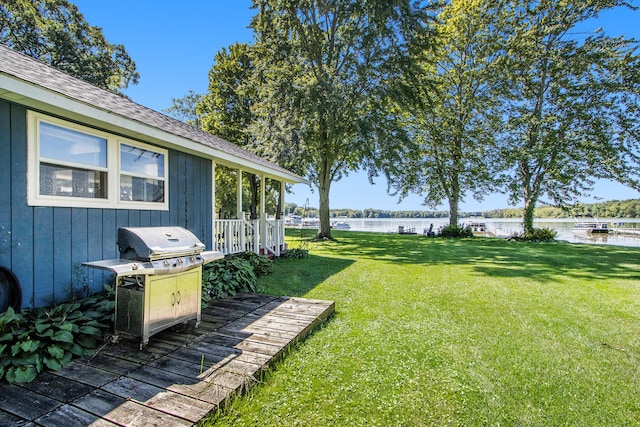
(165, 263)
(180, 261)
(134, 266)
(192, 259)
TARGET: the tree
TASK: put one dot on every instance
(185, 109)
(53, 31)
(225, 110)
(572, 104)
(455, 129)
(326, 71)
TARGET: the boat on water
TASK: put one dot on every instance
(477, 224)
(292, 221)
(588, 224)
(340, 224)
(311, 222)
(406, 230)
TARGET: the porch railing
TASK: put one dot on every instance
(232, 236)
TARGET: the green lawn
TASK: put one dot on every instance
(456, 332)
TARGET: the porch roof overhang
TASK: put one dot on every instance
(35, 85)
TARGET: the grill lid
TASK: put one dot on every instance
(152, 243)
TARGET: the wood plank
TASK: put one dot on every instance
(72, 416)
(180, 405)
(158, 379)
(87, 374)
(111, 364)
(25, 403)
(160, 398)
(63, 389)
(218, 350)
(131, 388)
(21, 215)
(99, 402)
(244, 345)
(45, 291)
(132, 414)
(10, 420)
(62, 248)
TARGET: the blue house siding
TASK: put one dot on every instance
(42, 245)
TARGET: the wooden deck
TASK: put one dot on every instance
(183, 374)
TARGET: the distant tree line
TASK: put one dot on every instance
(610, 209)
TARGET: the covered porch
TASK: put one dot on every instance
(255, 225)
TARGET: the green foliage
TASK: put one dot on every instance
(55, 32)
(455, 130)
(260, 263)
(49, 338)
(329, 75)
(295, 253)
(453, 231)
(536, 235)
(570, 103)
(227, 276)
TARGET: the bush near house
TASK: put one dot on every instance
(233, 274)
(48, 338)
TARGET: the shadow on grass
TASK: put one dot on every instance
(495, 257)
(296, 277)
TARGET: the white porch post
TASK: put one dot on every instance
(214, 215)
(263, 215)
(239, 213)
(214, 235)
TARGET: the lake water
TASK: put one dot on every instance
(503, 226)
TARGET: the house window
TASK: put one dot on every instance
(72, 163)
(75, 166)
(141, 174)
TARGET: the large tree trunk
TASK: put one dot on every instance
(324, 185)
(453, 211)
(529, 210)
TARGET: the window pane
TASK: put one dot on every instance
(140, 161)
(141, 189)
(70, 182)
(57, 143)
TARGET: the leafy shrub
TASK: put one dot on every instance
(453, 231)
(227, 276)
(49, 338)
(537, 235)
(260, 263)
(295, 253)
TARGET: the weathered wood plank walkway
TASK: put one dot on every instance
(182, 374)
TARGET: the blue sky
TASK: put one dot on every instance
(173, 45)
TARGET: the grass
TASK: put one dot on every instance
(456, 332)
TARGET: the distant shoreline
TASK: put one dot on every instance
(619, 209)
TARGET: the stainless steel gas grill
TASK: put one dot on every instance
(158, 279)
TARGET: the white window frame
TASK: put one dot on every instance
(34, 198)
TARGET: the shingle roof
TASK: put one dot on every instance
(38, 73)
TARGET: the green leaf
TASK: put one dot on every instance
(52, 363)
(78, 349)
(87, 341)
(56, 351)
(66, 326)
(42, 326)
(8, 316)
(30, 346)
(6, 337)
(23, 374)
(63, 336)
(90, 330)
